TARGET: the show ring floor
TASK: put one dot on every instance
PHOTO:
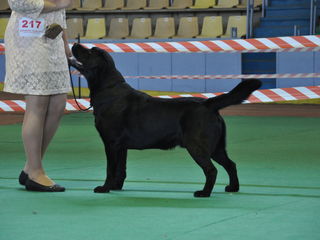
(278, 165)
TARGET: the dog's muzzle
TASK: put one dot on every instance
(74, 62)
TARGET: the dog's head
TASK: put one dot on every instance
(91, 62)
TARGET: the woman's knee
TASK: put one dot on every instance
(37, 104)
(57, 103)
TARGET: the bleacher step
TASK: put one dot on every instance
(268, 22)
(280, 31)
(289, 2)
(288, 11)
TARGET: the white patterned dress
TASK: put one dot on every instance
(35, 65)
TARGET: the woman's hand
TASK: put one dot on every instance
(67, 51)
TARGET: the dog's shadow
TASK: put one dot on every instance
(143, 198)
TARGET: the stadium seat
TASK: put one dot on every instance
(165, 28)
(4, 5)
(211, 27)
(119, 28)
(90, 5)
(158, 4)
(75, 5)
(204, 4)
(75, 27)
(3, 26)
(113, 5)
(96, 28)
(180, 4)
(135, 4)
(188, 27)
(244, 3)
(227, 3)
(141, 28)
(239, 22)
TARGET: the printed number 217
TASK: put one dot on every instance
(26, 24)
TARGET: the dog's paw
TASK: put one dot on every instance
(230, 188)
(101, 189)
(201, 194)
(117, 186)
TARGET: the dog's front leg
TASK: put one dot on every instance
(111, 154)
(120, 169)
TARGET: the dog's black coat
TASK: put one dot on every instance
(129, 119)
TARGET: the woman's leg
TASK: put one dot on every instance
(32, 135)
(41, 121)
(55, 112)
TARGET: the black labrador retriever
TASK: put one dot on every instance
(129, 119)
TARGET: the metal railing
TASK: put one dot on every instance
(250, 12)
(313, 16)
(250, 8)
(296, 30)
(265, 4)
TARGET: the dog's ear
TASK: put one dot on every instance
(108, 59)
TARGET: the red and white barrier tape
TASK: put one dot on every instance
(276, 44)
(220, 76)
(259, 96)
(231, 76)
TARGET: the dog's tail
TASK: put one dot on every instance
(236, 96)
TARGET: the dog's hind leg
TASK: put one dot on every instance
(202, 158)
(221, 157)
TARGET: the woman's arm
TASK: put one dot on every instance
(55, 5)
(36, 7)
(66, 44)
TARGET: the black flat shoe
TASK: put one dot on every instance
(37, 187)
(23, 178)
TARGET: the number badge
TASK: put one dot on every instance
(31, 27)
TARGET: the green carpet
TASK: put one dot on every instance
(279, 170)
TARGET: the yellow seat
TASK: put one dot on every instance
(4, 5)
(239, 22)
(180, 4)
(96, 28)
(211, 27)
(158, 4)
(188, 27)
(113, 5)
(165, 28)
(227, 3)
(3, 26)
(119, 28)
(204, 4)
(90, 5)
(244, 3)
(75, 5)
(135, 4)
(141, 28)
(75, 27)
